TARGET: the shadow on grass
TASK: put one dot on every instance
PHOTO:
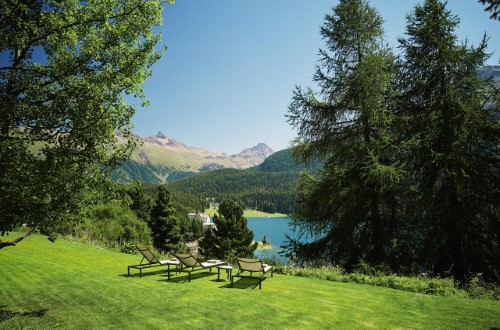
(244, 283)
(183, 276)
(7, 315)
(144, 274)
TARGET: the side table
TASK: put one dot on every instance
(228, 269)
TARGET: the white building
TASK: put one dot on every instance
(205, 219)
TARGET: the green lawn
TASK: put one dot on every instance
(69, 285)
(250, 213)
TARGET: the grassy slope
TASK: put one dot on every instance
(73, 286)
(250, 213)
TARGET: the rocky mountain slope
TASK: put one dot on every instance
(160, 158)
(491, 71)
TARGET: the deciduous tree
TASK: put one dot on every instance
(66, 66)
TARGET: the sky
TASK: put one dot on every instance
(227, 78)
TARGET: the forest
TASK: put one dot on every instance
(410, 145)
(268, 187)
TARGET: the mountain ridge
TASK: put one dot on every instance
(158, 157)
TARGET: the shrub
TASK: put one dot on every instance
(378, 276)
(113, 223)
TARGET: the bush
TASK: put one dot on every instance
(378, 276)
(114, 224)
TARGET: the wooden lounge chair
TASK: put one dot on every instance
(252, 268)
(191, 264)
(150, 260)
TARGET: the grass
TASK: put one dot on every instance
(250, 213)
(70, 285)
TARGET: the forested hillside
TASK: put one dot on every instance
(283, 161)
(265, 191)
(268, 187)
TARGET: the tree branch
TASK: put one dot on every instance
(17, 240)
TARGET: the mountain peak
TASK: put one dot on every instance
(160, 135)
(259, 153)
(159, 156)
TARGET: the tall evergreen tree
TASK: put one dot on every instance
(164, 224)
(231, 237)
(351, 210)
(455, 135)
(141, 203)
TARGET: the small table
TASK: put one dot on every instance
(228, 269)
(171, 262)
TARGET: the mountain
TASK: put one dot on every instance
(491, 71)
(160, 158)
(283, 161)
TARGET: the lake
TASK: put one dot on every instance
(275, 230)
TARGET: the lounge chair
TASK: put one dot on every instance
(251, 265)
(150, 260)
(192, 263)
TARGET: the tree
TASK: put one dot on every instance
(62, 93)
(165, 226)
(141, 203)
(231, 237)
(114, 223)
(454, 137)
(197, 227)
(493, 6)
(351, 210)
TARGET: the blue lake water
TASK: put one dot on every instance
(275, 230)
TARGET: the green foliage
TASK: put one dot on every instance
(196, 228)
(477, 289)
(165, 225)
(412, 158)
(492, 6)
(352, 208)
(62, 86)
(131, 170)
(113, 223)
(453, 153)
(270, 191)
(141, 203)
(284, 161)
(231, 238)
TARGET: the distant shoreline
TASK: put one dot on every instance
(251, 214)
(261, 246)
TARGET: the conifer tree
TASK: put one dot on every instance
(231, 236)
(454, 158)
(141, 203)
(351, 210)
(164, 225)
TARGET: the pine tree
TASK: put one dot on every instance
(164, 224)
(141, 203)
(454, 134)
(351, 209)
(231, 237)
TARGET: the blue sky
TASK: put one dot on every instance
(227, 78)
